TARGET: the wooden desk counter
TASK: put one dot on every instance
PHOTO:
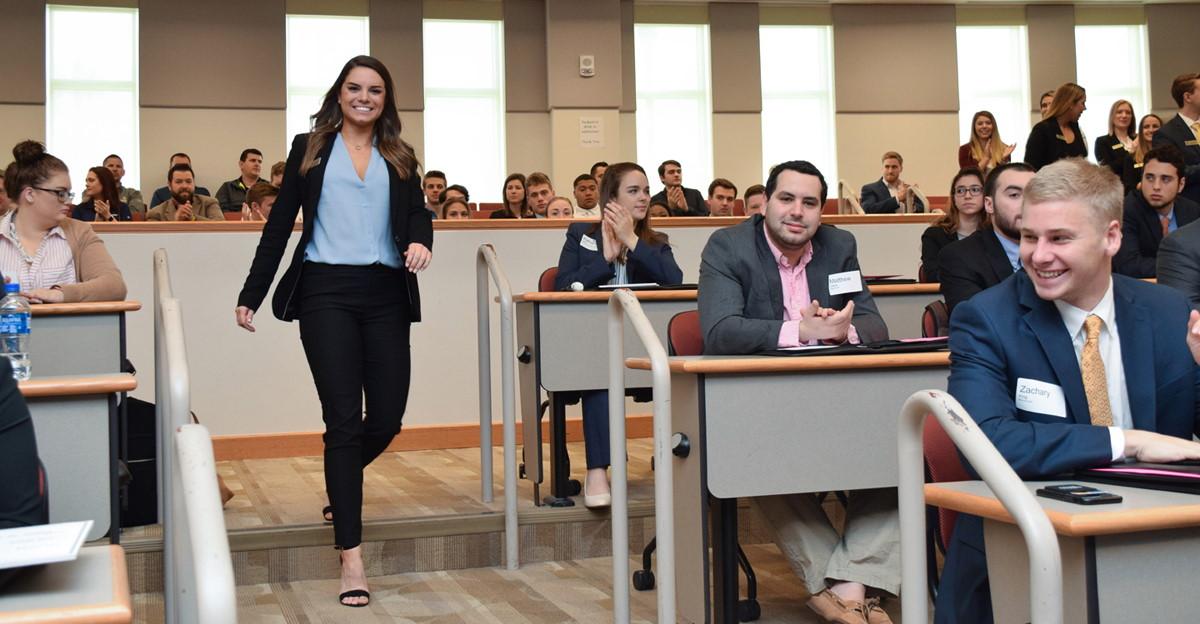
(592, 296)
(90, 307)
(42, 387)
(92, 589)
(738, 364)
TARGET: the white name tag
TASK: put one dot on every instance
(1040, 397)
(848, 282)
(588, 243)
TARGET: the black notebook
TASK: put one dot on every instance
(1177, 477)
(907, 345)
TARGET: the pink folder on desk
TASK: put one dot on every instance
(1182, 477)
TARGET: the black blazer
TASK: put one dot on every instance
(411, 223)
(877, 199)
(1175, 132)
(87, 211)
(933, 240)
(578, 262)
(1141, 234)
(696, 206)
(970, 265)
(1045, 144)
(1112, 154)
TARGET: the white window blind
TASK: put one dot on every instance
(311, 69)
(798, 109)
(1111, 63)
(993, 75)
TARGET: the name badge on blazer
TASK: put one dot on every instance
(1060, 137)
(1040, 397)
(847, 282)
(1192, 142)
(1118, 146)
(588, 243)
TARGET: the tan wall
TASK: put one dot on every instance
(568, 157)
(22, 53)
(737, 150)
(1051, 49)
(528, 137)
(17, 123)
(1174, 49)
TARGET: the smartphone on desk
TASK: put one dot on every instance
(1078, 494)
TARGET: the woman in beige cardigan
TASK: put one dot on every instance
(55, 258)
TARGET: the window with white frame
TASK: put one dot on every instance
(798, 113)
(674, 100)
(1111, 63)
(993, 76)
(464, 104)
(92, 99)
(312, 69)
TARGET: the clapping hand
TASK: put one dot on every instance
(1009, 150)
(676, 199)
(1193, 335)
(103, 210)
(825, 324)
(185, 212)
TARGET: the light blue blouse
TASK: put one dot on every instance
(353, 222)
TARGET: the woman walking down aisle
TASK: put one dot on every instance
(351, 283)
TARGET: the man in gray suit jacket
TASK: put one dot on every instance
(1179, 262)
(777, 280)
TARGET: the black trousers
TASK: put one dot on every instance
(354, 324)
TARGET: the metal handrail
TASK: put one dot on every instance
(848, 202)
(487, 264)
(1045, 559)
(213, 595)
(162, 442)
(621, 303)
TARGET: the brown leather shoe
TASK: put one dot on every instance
(835, 609)
(875, 612)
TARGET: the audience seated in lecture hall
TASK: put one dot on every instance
(681, 201)
(1183, 130)
(1179, 262)
(538, 192)
(455, 208)
(586, 188)
(22, 499)
(184, 204)
(622, 248)
(597, 171)
(259, 202)
(162, 194)
(754, 198)
(985, 151)
(232, 194)
(721, 195)
(432, 185)
(515, 204)
(1132, 175)
(54, 258)
(764, 285)
(1115, 149)
(889, 193)
(131, 196)
(1121, 354)
(1057, 135)
(1154, 210)
(104, 203)
(277, 173)
(964, 215)
(990, 255)
(560, 208)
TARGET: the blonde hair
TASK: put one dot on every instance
(1075, 179)
(995, 149)
(1065, 97)
(1112, 112)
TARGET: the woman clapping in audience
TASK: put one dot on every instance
(621, 249)
(54, 258)
(104, 203)
(985, 151)
(965, 215)
(1115, 149)
(515, 206)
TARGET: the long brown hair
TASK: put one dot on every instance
(608, 191)
(328, 120)
(952, 218)
(31, 168)
(1139, 152)
(524, 210)
(108, 187)
(995, 149)
(1065, 97)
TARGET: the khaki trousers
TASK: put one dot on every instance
(867, 552)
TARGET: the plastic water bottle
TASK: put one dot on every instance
(14, 330)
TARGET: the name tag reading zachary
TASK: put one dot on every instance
(848, 282)
(1040, 397)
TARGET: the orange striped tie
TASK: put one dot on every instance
(1095, 381)
(1166, 224)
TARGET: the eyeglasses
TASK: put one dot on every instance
(963, 191)
(64, 195)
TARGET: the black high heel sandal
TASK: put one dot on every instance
(327, 514)
(353, 593)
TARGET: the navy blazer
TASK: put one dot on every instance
(877, 199)
(1176, 132)
(1179, 262)
(411, 223)
(1141, 233)
(971, 265)
(87, 211)
(645, 263)
(696, 206)
(1007, 332)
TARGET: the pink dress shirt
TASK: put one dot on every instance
(795, 295)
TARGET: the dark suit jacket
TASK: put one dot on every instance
(1112, 154)
(1045, 145)
(933, 240)
(741, 296)
(970, 265)
(577, 263)
(1175, 132)
(1007, 332)
(696, 206)
(1141, 233)
(1179, 262)
(877, 199)
(411, 223)
(87, 211)
(21, 501)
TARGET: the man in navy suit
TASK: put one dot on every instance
(1019, 353)
(1183, 130)
(889, 192)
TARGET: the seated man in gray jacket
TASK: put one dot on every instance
(1179, 262)
(778, 280)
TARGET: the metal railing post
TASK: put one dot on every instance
(1045, 559)
(214, 592)
(623, 302)
(487, 263)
